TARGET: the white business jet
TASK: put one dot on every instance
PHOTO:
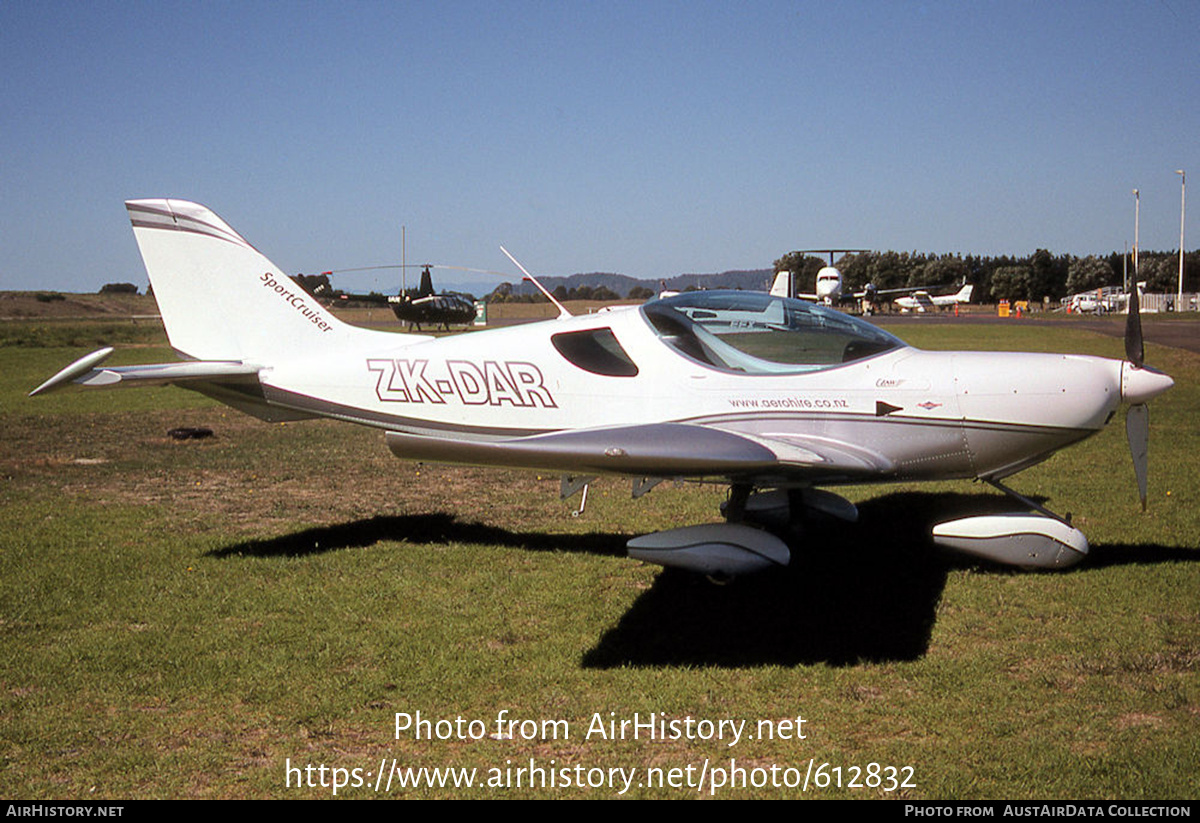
(828, 287)
(773, 396)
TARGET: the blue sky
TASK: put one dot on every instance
(647, 138)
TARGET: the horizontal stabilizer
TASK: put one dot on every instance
(81, 366)
(84, 372)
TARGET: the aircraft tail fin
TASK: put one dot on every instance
(964, 294)
(220, 298)
(426, 287)
(782, 286)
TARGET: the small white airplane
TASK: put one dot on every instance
(921, 301)
(773, 396)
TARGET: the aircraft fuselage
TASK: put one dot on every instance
(912, 414)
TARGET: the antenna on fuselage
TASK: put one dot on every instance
(562, 312)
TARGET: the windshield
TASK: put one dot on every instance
(759, 333)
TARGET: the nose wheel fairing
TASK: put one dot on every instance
(1030, 541)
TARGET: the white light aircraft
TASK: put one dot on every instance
(775, 397)
(921, 301)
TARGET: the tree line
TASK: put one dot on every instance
(507, 293)
(1034, 277)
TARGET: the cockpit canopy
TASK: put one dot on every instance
(759, 333)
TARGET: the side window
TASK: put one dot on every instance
(596, 351)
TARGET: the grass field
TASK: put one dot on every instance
(189, 619)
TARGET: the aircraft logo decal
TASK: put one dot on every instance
(297, 300)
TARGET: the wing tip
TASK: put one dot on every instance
(79, 367)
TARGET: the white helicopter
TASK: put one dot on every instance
(773, 396)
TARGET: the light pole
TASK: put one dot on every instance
(1137, 211)
(1182, 203)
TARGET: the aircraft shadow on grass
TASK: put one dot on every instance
(433, 529)
(867, 591)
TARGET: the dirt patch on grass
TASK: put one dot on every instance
(259, 477)
(27, 305)
(1137, 719)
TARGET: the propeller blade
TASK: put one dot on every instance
(1137, 429)
(1135, 351)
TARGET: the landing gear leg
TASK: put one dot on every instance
(797, 513)
(1023, 499)
(735, 508)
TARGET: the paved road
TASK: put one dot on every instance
(1182, 331)
(1182, 334)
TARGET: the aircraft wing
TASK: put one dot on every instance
(655, 450)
